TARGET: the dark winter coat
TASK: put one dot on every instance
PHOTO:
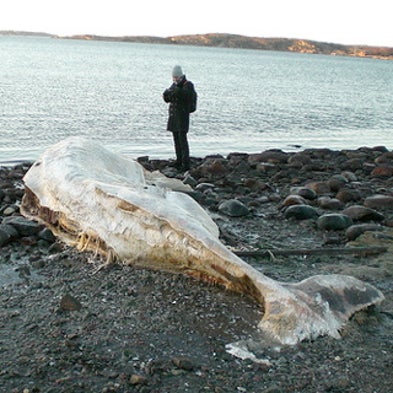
(179, 97)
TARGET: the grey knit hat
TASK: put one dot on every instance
(177, 71)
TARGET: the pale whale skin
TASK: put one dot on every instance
(100, 201)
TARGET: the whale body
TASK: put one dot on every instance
(100, 201)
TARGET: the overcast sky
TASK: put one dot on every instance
(366, 22)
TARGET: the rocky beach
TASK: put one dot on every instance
(68, 326)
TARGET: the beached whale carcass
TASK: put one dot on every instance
(100, 201)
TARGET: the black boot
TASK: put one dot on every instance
(185, 167)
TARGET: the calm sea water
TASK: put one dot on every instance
(249, 101)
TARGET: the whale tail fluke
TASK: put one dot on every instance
(317, 306)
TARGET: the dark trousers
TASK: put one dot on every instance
(182, 149)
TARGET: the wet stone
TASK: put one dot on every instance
(47, 235)
(362, 213)
(301, 212)
(381, 148)
(8, 233)
(294, 200)
(348, 195)
(299, 158)
(24, 226)
(334, 221)
(382, 171)
(384, 158)
(4, 237)
(214, 167)
(9, 210)
(354, 164)
(320, 188)
(202, 187)
(304, 192)
(350, 176)
(264, 167)
(233, 208)
(336, 182)
(190, 180)
(237, 158)
(354, 231)
(197, 196)
(379, 202)
(270, 156)
(274, 197)
(330, 203)
(183, 363)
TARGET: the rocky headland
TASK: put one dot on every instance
(223, 40)
(259, 43)
(67, 326)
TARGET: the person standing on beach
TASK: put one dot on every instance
(181, 97)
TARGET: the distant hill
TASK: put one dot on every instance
(24, 33)
(244, 42)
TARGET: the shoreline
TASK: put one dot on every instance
(290, 149)
(67, 326)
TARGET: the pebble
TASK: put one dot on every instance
(9, 210)
(137, 379)
(190, 181)
(70, 303)
(183, 363)
(202, 187)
